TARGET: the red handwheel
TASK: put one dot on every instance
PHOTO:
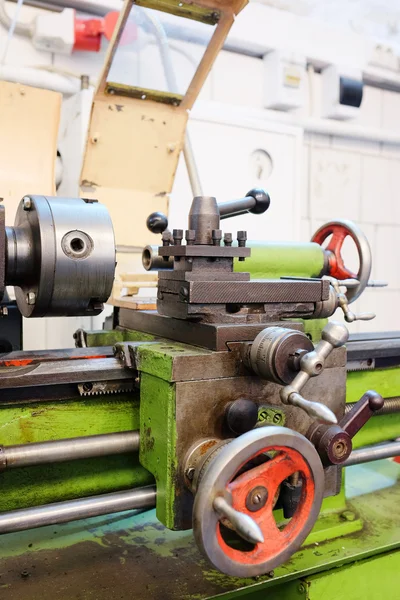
(340, 230)
(252, 493)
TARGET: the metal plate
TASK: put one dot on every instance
(206, 335)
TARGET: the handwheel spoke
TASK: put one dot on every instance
(336, 243)
(338, 232)
(269, 475)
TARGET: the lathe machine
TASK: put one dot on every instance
(223, 445)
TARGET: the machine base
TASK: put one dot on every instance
(128, 556)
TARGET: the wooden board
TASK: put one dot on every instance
(29, 121)
(130, 161)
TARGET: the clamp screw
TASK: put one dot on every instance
(27, 203)
(241, 238)
(190, 236)
(166, 237)
(31, 298)
(228, 239)
(177, 234)
(216, 235)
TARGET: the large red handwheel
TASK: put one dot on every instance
(253, 492)
(340, 230)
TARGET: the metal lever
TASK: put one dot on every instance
(312, 363)
(257, 201)
(343, 302)
(244, 525)
(334, 443)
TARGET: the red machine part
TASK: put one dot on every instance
(269, 477)
(88, 32)
(339, 232)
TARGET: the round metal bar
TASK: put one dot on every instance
(73, 510)
(233, 208)
(25, 455)
(371, 453)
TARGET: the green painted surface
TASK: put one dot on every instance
(157, 358)
(158, 441)
(56, 420)
(103, 337)
(313, 328)
(282, 259)
(376, 577)
(387, 383)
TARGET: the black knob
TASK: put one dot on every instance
(157, 222)
(241, 416)
(262, 201)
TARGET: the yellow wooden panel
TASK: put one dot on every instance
(29, 121)
(130, 162)
(133, 144)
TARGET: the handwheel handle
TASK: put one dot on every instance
(336, 268)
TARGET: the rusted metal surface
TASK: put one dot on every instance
(63, 371)
(29, 357)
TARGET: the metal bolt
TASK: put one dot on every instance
(340, 448)
(301, 589)
(276, 418)
(190, 473)
(228, 239)
(166, 238)
(257, 499)
(216, 235)
(190, 236)
(241, 238)
(31, 298)
(27, 203)
(183, 293)
(177, 234)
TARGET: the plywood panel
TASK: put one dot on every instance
(29, 120)
(130, 161)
